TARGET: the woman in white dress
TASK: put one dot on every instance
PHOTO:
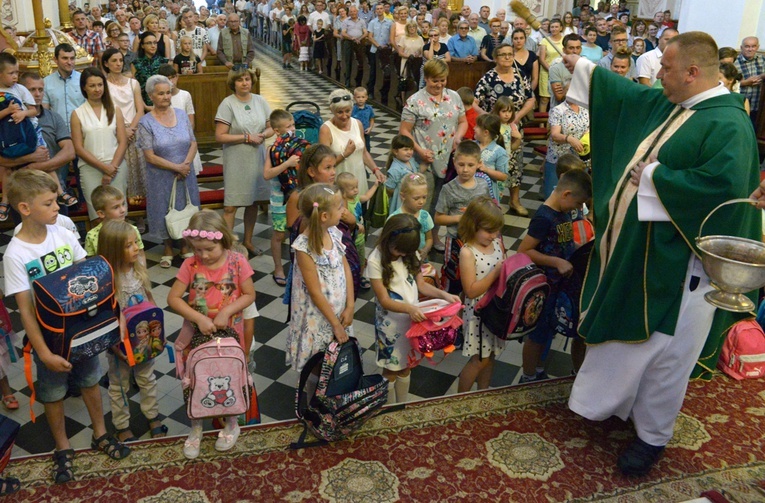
(99, 137)
(126, 95)
(345, 136)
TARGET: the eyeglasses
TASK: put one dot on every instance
(149, 43)
(338, 99)
(620, 40)
(463, 28)
(505, 55)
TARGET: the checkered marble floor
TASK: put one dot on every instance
(273, 380)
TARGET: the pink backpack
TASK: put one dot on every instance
(439, 330)
(216, 380)
(743, 352)
(512, 305)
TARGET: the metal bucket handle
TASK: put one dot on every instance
(726, 203)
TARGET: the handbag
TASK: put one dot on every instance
(177, 221)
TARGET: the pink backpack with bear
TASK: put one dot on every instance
(216, 381)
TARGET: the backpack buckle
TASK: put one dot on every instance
(92, 310)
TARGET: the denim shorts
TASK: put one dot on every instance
(52, 386)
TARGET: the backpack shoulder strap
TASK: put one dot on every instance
(28, 375)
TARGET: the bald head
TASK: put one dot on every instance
(667, 35)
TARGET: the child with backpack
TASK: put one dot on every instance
(20, 132)
(394, 270)
(219, 284)
(550, 244)
(414, 194)
(320, 266)
(452, 203)
(494, 158)
(348, 185)
(400, 164)
(118, 244)
(281, 168)
(41, 248)
(480, 262)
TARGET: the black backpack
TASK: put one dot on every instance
(344, 397)
(15, 139)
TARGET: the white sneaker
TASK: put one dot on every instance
(227, 439)
(191, 447)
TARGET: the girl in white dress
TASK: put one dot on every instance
(322, 288)
(480, 262)
(394, 270)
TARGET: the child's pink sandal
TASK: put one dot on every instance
(10, 402)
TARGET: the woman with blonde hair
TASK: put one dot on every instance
(345, 136)
(151, 25)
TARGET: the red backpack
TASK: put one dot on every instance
(512, 305)
(743, 352)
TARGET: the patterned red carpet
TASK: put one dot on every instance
(509, 444)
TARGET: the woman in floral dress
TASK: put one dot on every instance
(434, 118)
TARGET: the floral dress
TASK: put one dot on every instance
(145, 68)
(435, 124)
(515, 163)
(473, 338)
(491, 87)
(309, 330)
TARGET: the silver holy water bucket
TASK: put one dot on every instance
(734, 265)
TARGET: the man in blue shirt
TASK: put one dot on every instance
(379, 38)
(462, 46)
(62, 91)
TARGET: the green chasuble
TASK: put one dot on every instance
(707, 155)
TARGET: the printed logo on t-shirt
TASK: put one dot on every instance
(51, 262)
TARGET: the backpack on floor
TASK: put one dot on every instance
(19, 139)
(216, 382)
(144, 337)
(743, 352)
(439, 329)
(344, 397)
(512, 305)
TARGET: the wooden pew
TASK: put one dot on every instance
(465, 75)
(207, 91)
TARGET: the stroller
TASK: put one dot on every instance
(307, 122)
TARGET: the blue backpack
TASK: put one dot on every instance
(19, 139)
(77, 310)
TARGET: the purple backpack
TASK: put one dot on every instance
(144, 337)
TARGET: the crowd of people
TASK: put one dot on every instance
(458, 153)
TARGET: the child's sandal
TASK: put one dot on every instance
(110, 446)
(157, 431)
(131, 438)
(63, 471)
(9, 485)
(10, 402)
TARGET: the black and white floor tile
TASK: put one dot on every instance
(274, 381)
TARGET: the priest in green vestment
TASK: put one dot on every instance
(662, 160)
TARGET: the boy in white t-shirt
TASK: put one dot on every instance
(41, 248)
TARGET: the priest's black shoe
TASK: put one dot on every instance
(638, 459)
